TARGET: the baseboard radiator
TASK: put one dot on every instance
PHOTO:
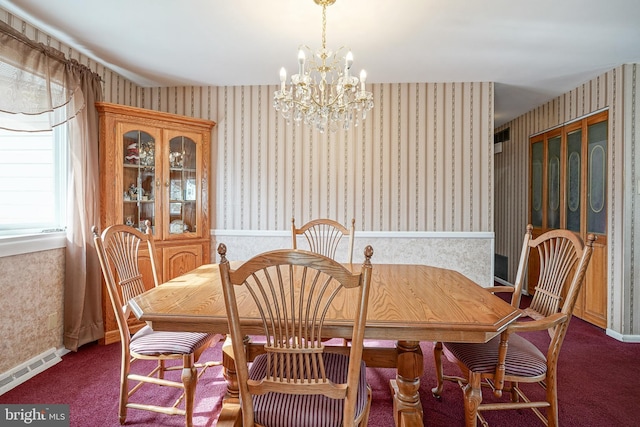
(28, 369)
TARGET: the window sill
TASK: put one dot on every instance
(18, 245)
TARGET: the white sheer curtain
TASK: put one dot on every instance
(40, 89)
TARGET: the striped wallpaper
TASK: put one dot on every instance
(421, 161)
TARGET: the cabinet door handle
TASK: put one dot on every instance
(166, 184)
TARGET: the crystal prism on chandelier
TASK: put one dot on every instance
(323, 93)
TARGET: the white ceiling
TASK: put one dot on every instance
(533, 51)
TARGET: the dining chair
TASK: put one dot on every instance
(128, 257)
(324, 235)
(284, 296)
(510, 358)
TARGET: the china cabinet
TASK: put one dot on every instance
(154, 166)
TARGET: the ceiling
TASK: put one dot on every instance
(533, 51)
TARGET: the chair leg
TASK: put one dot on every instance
(161, 369)
(515, 397)
(189, 379)
(125, 365)
(552, 399)
(365, 416)
(472, 399)
(437, 355)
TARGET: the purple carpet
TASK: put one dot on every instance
(597, 387)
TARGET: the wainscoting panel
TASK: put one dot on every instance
(468, 253)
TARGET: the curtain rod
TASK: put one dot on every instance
(47, 50)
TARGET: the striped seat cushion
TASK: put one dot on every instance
(523, 358)
(149, 342)
(293, 410)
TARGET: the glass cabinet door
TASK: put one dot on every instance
(537, 183)
(573, 210)
(138, 179)
(183, 193)
(597, 178)
(553, 182)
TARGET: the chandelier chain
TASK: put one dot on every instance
(324, 27)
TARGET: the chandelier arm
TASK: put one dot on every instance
(331, 104)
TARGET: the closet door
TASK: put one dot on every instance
(547, 174)
(593, 298)
(568, 189)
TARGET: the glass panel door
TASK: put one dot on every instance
(183, 192)
(537, 176)
(553, 182)
(139, 177)
(574, 180)
(597, 178)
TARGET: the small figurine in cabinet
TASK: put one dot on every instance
(147, 154)
(132, 156)
(175, 159)
(133, 192)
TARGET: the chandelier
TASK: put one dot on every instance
(323, 93)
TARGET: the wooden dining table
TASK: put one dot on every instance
(408, 303)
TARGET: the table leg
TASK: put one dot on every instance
(407, 408)
(231, 414)
(229, 370)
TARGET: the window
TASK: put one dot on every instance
(33, 181)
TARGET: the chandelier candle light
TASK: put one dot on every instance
(323, 93)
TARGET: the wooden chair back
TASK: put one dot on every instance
(127, 257)
(561, 271)
(323, 236)
(287, 294)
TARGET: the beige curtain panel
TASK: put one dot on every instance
(41, 89)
